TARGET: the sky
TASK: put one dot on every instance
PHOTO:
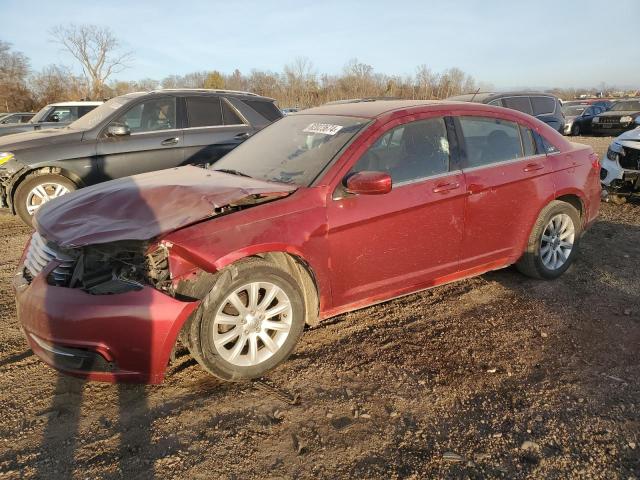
(508, 44)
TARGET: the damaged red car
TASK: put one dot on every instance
(325, 211)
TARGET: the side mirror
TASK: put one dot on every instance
(369, 183)
(118, 130)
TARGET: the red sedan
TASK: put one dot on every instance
(325, 211)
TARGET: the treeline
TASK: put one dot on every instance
(299, 84)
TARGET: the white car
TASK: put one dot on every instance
(620, 171)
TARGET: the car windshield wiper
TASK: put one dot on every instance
(232, 172)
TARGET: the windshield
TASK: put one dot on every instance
(633, 106)
(98, 114)
(574, 111)
(40, 115)
(294, 149)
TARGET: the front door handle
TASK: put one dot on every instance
(532, 167)
(445, 187)
(170, 141)
(242, 136)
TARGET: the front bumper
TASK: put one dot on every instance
(112, 338)
(611, 129)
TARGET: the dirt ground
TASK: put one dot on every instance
(498, 376)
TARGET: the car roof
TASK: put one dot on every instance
(74, 104)
(375, 108)
(187, 91)
(481, 97)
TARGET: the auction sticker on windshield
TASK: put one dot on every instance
(324, 128)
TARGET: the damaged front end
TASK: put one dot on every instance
(620, 171)
(105, 269)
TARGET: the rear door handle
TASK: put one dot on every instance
(445, 187)
(170, 141)
(532, 167)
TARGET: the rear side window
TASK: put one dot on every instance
(522, 104)
(490, 140)
(267, 109)
(528, 142)
(229, 115)
(204, 111)
(543, 105)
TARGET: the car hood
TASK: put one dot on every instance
(145, 206)
(36, 138)
(630, 138)
(617, 113)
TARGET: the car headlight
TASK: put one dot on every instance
(626, 119)
(5, 157)
(596, 119)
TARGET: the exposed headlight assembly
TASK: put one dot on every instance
(596, 119)
(626, 119)
(5, 157)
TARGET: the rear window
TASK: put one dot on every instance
(229, 115)
(528, 142)
(204, 111)
(543, 105)
(522, 104)
(490, 140)
(267, 109)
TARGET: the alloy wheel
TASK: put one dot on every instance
(252, 323)
(42, 193)
(557, 241)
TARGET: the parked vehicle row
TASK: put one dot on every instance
(129, 134)
(324, 211)
(544, 106)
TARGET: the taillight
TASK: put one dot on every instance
(595, 161)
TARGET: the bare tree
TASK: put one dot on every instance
(97, 50)
(14, 68)
(54, 83)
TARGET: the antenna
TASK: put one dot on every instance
(474, 95)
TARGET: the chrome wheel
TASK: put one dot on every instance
(557, 241)
(252, 324)
(42, 193)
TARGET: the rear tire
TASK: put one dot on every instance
(38, 188)
(553, 242)
(235, 335)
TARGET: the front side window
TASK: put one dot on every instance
(204, 111)
(522, 104)
(409, 152)
(293, 150)
(62, 114)
(150, 116)
(490, 140)
(543, 105)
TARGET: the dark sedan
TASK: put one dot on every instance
(579, 117)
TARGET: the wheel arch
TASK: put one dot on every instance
(23, 174)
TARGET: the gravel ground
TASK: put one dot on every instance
(497, 376)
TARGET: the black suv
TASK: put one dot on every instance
(130, 134)
(620, 118)
(543, 106)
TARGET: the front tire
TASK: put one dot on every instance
(37, 189)
(553, 242)
(249, 323)
(575, 130)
